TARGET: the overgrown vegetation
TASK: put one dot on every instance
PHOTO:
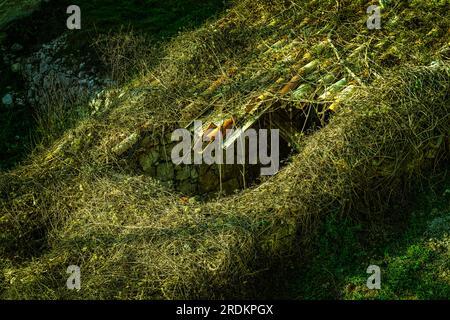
(412, 253)
(12, 10)
(79, 203)
(117, 37)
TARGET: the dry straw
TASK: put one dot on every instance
(79, 203)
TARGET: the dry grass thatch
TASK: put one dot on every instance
(133, 239)
(77, 203)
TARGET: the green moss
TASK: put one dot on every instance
(158, 19)
(11, 10)
(413, 258)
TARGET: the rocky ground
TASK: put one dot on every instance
(45, 70)
(36, 78)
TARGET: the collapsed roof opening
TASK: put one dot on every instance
(248, 152)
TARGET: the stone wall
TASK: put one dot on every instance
(155, 160)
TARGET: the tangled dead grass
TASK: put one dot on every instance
(135, 239)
